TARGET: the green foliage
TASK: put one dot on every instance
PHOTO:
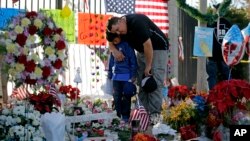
(208, 17)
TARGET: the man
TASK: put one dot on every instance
(151, 46)
(216, 65)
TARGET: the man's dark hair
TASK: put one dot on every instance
(111, 36)
(112, 21)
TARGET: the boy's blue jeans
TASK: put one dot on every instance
(121, 101)
(212, 68)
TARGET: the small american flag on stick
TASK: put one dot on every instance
(141, 114)
(19, 93)
(53, 92)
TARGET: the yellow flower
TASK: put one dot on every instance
(19, 67)
(12, 72)
(18, 29)
(38, 23)
(38, 72)
(60, 53)
(25, 50)
(35, 57)
(56, 37)
(65, 64)
(49, 51)
(31, 39)
(25, 22)
(11, 48)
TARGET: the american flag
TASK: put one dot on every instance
(141, 114)
(19, 93)
(156, 10)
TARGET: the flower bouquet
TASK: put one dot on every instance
(36, 49)
(43, 101)
(163, 132)
(229, 96)
(143, 137)
(180, 115)
(92, 113)
(188, 132)
(178, 93)
(20, 122)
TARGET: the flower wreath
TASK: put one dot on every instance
(36, 49)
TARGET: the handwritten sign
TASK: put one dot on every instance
(91, 28)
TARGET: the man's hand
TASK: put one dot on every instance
(147, 71)
(116, 53)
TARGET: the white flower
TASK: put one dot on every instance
(2, 119)
(19, 130)
(50, 25)
(52, 57)
(10, 121)
(36, 122)
(18, 120)
(11, 25)
(19, 110)
(5, 111)
(160, 128)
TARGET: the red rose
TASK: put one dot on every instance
(31, 14)
(21, 39)
(22, 59)
(58, 30)
(60, 45)
(58, 64)
(47, 31)
(32, 29)
(46, 71)
(30, 66)
(30, 81)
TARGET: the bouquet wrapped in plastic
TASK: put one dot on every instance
(53, 125)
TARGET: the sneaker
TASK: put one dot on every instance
(155, 118)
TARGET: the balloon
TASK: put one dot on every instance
(232, 46)
(65, 11)
(246, 35)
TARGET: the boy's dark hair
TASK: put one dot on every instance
(112, 21)
(111, 36)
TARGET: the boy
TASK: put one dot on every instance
(123, 74)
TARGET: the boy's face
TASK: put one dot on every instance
(116, 41)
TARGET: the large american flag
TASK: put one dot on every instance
(156, 10)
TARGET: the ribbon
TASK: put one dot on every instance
(180, 49)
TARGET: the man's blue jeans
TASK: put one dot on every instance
(212, 68)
